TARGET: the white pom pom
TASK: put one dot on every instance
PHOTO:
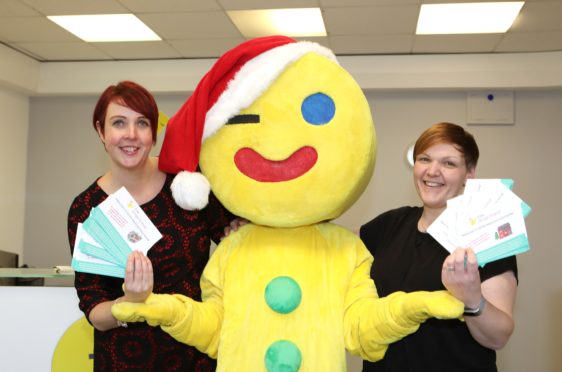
(191, 190)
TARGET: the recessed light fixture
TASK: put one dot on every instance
(106, 27)
(289, 22)
(467, 18)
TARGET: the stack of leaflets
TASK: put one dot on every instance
(114, 229)
(488, 217)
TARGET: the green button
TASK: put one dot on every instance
(283, 356)
(283, 294)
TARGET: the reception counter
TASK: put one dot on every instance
(41, 328)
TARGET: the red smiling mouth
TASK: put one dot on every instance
(255, 166)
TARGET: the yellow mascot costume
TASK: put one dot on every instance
(283, 136)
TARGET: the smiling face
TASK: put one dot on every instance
(127, 136)
(303, 152)
(440, 173)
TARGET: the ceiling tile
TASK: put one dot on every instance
(14, 8)
(33, 29)
(539, 16)
(372, 44)
(173, 6)
(191, 25)
(205, 48)
(352, 3)
(531, 42)
(270, 4)
(72, 7)
(371, 20)
(139, 50)
(72, 51)
(459, 1)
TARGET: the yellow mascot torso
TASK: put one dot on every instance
(322, 260)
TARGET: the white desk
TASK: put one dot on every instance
(32, 322)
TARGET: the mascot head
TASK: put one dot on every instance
(283, 135)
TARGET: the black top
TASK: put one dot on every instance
(178, 260)
(407, 260)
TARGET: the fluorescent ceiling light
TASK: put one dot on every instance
(289, 22)
(467, 18)
(105, 27)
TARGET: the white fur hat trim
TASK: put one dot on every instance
(191, 190)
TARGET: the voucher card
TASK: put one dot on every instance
(488, 217)
(114, 229)
(89, 262)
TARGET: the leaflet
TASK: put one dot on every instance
(488, 217)
(474, 186)
(114, 229)
(87, 263)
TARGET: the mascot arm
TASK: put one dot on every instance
(188, 321)
(201, 324)
(372, 323)
(194, 323)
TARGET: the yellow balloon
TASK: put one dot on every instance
(162, 121)
(75, 349)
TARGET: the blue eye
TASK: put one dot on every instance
(318, 109)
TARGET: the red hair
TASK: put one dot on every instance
(131, 95)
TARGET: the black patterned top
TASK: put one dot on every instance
(178, 260)
(406, 259)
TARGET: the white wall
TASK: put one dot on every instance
(386, 73)
(17, 71)
(14, 124)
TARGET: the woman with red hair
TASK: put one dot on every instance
(126, 119)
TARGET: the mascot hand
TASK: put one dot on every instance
(157, 310)
(389, 319)
(411, 309)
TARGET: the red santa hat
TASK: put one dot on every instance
(235, 81)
